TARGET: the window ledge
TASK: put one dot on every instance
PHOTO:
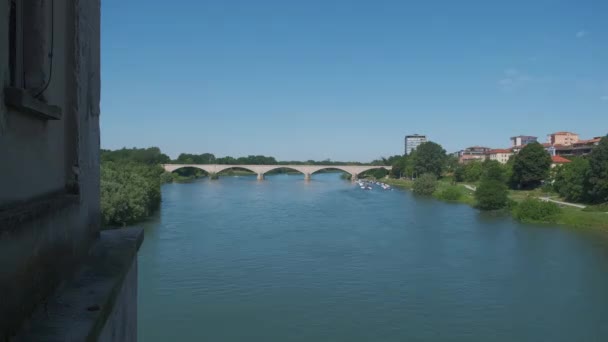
(23, 101)
(14, 216)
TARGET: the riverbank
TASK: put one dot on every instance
(568, 216)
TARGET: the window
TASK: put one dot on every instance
(31, 35)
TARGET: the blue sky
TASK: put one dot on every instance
(346, 80)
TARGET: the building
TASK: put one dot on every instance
(413, 141)
(558, 160)
(57, 280)
(563, 138)
(579, 148)
(521, 140)
(473, 153)
(500, 155)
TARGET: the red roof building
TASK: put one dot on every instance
(558, 160)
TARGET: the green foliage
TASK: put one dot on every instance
(187, 158)
(401, 167)
(473, 171)
(534, 210)
(429, 157)
(425, 184)
(459, 173)
(598, 173)
(346, 176)
(491, 194)
(376, 173)
(493, 170)
(451, 193)
(571, 180)
(530, 166)
(130, 191)
(166, 177)
(150, 156)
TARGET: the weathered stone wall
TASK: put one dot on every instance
(121, 326)
(49, 171)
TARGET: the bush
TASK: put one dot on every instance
(425, 184)
(491, 195)
(451, 193)
(129, 192)
(534, 210)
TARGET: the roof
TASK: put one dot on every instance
(562, 133)
(559, 160)
(499, 150)
(589, 141)
(524, 136)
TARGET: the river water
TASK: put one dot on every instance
(289, 260)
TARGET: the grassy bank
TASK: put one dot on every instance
(465, 196)
(569, 216)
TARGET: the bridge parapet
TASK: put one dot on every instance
(261, 170)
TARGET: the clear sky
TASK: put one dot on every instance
(347, 80)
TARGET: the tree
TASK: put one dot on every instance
(571, 180)
(429, 157)
(400, 167)
(598, 173)
(491, 195)
(493, 170)
(425, 184)
(473, 171)
(530, 166)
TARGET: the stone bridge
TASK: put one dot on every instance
(260, 170)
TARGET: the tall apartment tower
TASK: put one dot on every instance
(412, 141)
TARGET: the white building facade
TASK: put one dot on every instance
(413, 141)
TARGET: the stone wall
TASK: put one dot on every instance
(49, 174)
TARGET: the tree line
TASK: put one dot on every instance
(584, 180)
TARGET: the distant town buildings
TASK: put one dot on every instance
(522, 140)
(563, 138)
(500, 155)
(412, 142)
(473, 153)
(559, 144)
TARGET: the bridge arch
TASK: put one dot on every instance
(332, 167)
(287, 167)
(218, 170)
(173, 168)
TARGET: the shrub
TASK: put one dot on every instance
(450, 193)
(129, 192)
(534, 210)
(425, 184)
(491, 195)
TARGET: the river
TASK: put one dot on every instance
(288, 260)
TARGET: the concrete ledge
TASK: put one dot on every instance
(80, 310)
(23, 101)
(14, 216)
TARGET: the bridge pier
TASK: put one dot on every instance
(260, 176)
(306, 176)
(353, 177)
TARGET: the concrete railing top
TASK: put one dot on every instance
(262, 169)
